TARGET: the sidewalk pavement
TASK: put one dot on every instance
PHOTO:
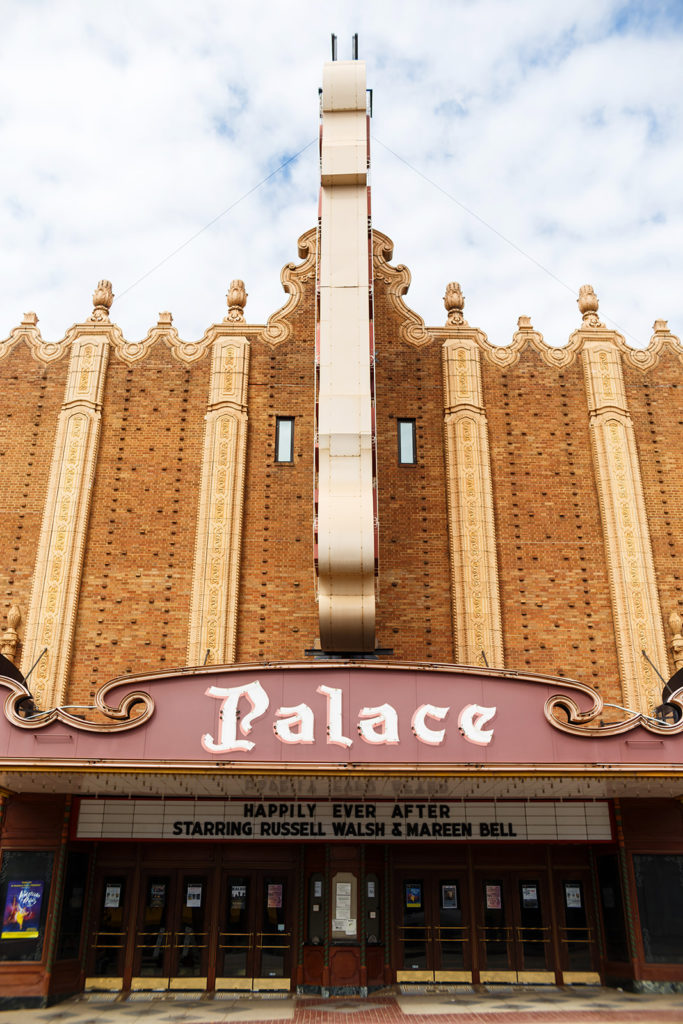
(462, 1004)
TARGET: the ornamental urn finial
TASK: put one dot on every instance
(237, 300)
(588, 306)
(102, 298)
(676, 625)
(454, 301)
(10, 638)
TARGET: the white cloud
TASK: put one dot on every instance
(127, 126)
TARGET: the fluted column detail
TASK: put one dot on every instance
(213, 611)
(635, 600)
(474, 568)
(53, 607)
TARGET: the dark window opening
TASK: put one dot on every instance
(284, 439)
(407, 453)
(76, 878)
(659, 881)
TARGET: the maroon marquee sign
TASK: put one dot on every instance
(335, 713)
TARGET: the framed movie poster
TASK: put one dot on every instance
(238, 896)
(530, 896)
(157, 895)
(449, 897)
(21, 917)
(494, 897)
(274, 895)
(413, 895)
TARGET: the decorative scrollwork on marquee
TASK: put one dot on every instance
(578, 722)
(113, 718)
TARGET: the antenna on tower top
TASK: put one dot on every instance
(354, 46)
(334, 46)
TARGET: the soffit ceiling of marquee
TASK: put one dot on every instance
(539, 785)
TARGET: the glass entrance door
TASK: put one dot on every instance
(578, 948)
(107, 951)
(171, 937)
(255, 935)
(433, 933)
(514, 928)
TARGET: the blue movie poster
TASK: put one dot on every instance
(21, 919)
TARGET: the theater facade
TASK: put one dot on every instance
(340, 651)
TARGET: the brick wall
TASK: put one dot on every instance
(32, 395)
(553, 574)
(414, 609)
(655, 399)
(277, 612)
(137, 574)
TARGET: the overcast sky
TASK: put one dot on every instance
(126, 127)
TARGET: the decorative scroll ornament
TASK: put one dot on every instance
(293, 277)
(454, 301)
(586, 723)
(10, 638)
(588, 306)
(397, 279)
(676, 624)
(102, 298)
(237, 300)
(21, 710)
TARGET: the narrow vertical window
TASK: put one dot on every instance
(284, 439)
(406, 442)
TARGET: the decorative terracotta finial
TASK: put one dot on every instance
(30, 320)
(661, 327)
(10, 638)
(237, 300)
(676, 624)
(102, 298)
(165, 319)
(524, 323)
(454, 301)
(588, 306)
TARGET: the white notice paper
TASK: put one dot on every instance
(344, 899)
(572, 895)
(112, 896)
(194, 896)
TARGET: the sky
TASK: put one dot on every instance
(520, 147)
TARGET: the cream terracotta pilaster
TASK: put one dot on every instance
(635, 601)
(213, 611)
(52, 611)
(474, 569)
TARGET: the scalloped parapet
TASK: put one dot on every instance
(278, 328)
(413, 330)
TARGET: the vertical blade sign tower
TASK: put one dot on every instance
(346, 542)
